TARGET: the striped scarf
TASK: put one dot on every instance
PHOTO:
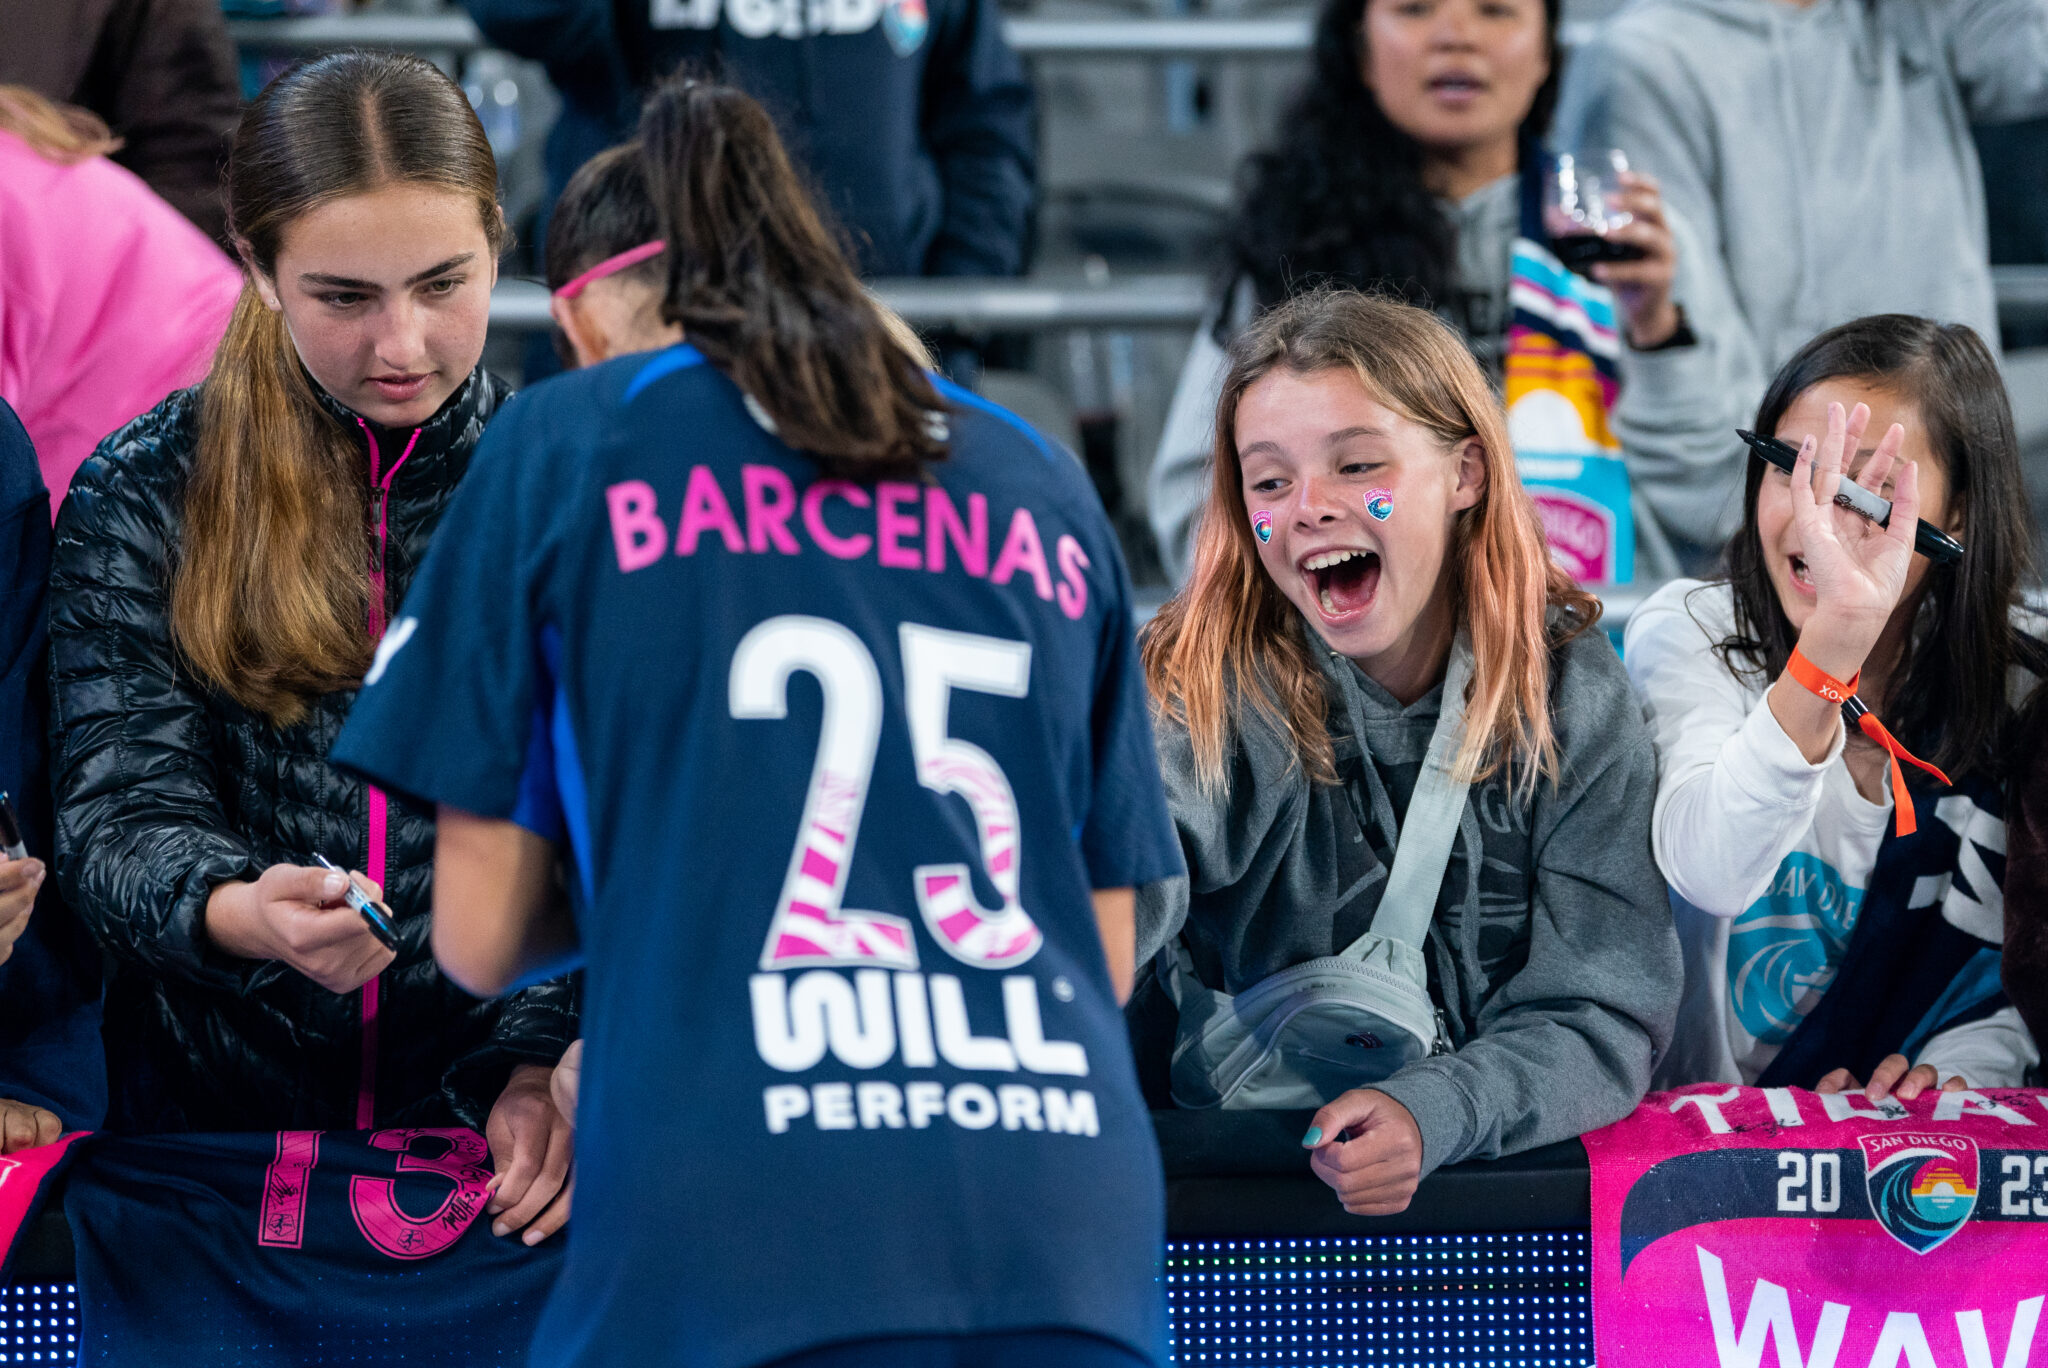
(1561, 377)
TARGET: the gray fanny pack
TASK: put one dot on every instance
(1348, 1020)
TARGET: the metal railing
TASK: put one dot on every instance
(1164, 300)
(2022, 293)
(1148, 301)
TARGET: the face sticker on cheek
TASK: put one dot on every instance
(1380, 503)
(1262, 525)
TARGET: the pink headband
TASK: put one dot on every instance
(632, 256)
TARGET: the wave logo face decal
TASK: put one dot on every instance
(1922, 1186)
(1380, 503)
(1262, 525)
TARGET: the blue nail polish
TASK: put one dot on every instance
(1313, 1138)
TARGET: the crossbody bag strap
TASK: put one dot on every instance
(1422, 851)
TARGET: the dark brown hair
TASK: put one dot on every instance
(1340, 199)
(270, 594)
(604, 210)
(762, 288)
(1947, 696)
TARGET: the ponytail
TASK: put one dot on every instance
(764, 292)
(269, 596)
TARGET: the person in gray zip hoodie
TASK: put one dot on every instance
(1817, 167)
(1364, 521)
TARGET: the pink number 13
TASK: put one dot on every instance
(373, 1201)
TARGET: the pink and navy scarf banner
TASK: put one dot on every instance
(27, 1178)
(1774, 1226)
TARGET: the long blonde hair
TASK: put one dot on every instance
(270, 596)
(1230, 636)
(60, 133)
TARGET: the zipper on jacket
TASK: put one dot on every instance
(374, 861)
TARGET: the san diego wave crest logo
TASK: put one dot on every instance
(1922, 1187)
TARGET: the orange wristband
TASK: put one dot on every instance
(1815, 680)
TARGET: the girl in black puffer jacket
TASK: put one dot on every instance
(225, 566)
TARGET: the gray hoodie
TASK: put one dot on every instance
(1552, 954)
(1818, 167)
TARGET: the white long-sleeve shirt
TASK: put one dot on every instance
(1768, 856)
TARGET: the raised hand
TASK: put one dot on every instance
(1858, 569)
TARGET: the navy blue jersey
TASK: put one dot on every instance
(839, 765)
(302, 1248)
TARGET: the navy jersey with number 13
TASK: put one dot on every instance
(839, 765)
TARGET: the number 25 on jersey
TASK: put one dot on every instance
(810, 925)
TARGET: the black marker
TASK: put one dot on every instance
(11, 846)
(380, 925)
(1929, 540)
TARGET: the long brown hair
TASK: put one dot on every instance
(1947, 696)
(1230, 636)
(762, 288)
(59, 133)
(270, 594)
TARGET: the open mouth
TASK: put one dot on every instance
(1801, 576)
(1345, 581)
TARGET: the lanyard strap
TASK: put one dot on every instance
(1815, 680)
(1866, 720)
(1422, 846)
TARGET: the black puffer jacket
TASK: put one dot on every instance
(166, 789)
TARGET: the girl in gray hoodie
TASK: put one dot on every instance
(1817, 167)
(1363, 522)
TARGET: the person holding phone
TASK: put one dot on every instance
(821, 672)
(225, 570)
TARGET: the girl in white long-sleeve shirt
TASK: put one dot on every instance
(1772, 818)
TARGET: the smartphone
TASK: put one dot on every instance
(11, 846)
(380, 924)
